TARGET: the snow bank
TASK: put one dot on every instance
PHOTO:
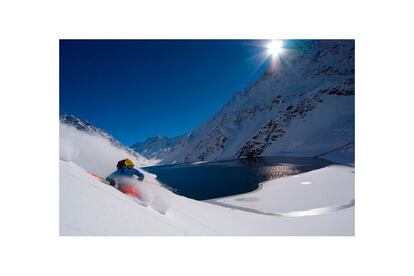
(91, 152)
(317, 192)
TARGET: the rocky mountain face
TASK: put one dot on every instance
(87, 127)
(302, 105)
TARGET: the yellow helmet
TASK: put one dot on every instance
(129, 163)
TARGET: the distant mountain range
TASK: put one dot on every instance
(158, 147)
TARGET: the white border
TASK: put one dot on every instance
(29, 118)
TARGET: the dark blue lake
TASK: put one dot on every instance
(231, 177)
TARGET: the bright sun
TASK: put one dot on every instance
(275, 47)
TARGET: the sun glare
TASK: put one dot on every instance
(275, 47)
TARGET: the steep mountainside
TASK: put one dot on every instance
(302, 105)
(87, 127)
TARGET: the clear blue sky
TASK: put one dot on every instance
(135, 89)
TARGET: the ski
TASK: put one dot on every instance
(100, 178)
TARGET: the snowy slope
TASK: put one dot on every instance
(86, 127)
(303, 105)
(89, 207)
(93, 151)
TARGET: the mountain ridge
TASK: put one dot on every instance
(85, 126)
(302, 105)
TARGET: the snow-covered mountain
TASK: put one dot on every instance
(87, 128)
(302, 105)
(158, 147)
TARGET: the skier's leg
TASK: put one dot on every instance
(113, 182)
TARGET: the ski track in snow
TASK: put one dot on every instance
(303, 213)
(319, 194)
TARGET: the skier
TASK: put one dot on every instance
(125, 168)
